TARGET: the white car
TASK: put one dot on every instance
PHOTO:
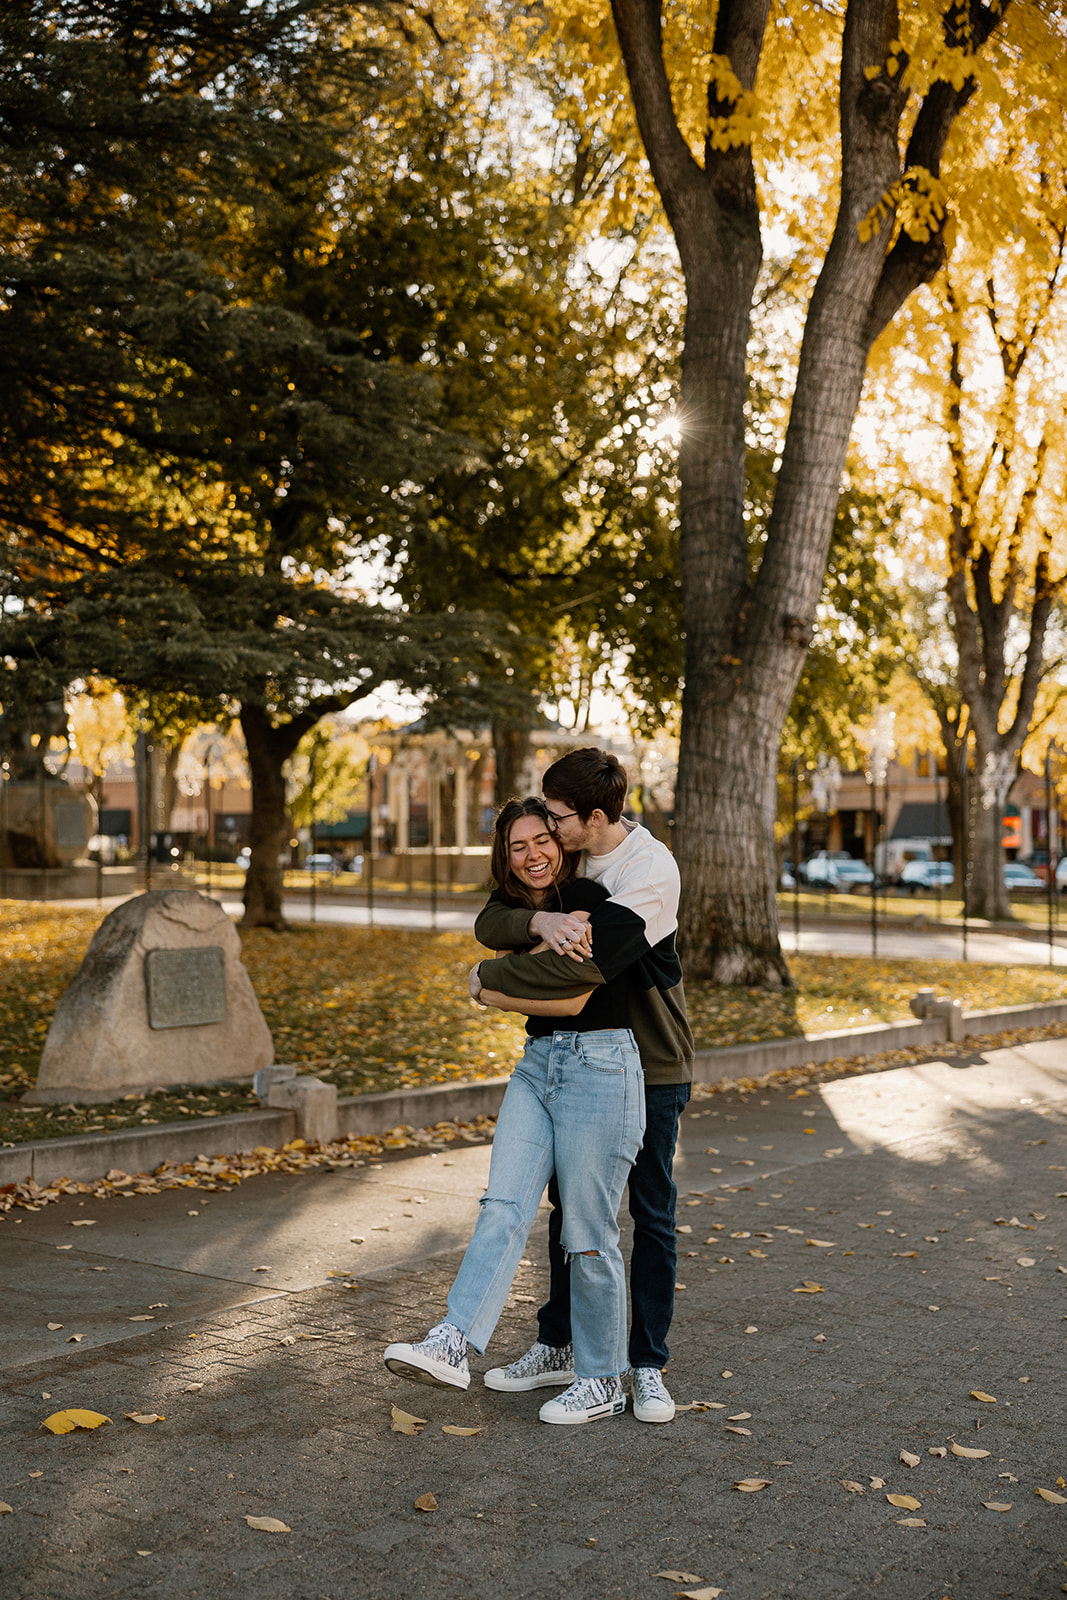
(916, 875)
(321, 862)
(1020, 880)
(837, 870)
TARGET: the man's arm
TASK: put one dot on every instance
(501, 927)
(619, 940)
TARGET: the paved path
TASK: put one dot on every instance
(276, 1402)
(826, 938)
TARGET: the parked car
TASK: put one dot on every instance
(836, 869)
(915, 875)
(1060, 877)
(819, 868)
(1020, 880)
(320, 863)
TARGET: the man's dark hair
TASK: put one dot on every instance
(588, 780)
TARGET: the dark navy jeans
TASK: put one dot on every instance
(654, 1258)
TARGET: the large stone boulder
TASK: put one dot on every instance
(161, 998)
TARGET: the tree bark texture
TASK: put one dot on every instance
(268, 748)
(992, 595)
(746, 635)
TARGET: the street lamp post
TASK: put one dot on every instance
(1051, 885)
(796, 859)
(825, 785)
(879, 756)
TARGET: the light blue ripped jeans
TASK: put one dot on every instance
(575, 1105)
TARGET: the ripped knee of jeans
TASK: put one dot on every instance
(575, 1255)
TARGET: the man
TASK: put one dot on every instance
(585, 792)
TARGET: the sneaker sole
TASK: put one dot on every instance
(661, 1414)
(496, 1379)
(614, 1408)
(435, 1373)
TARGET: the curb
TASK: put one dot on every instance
(86, 1156)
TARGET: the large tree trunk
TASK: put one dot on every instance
(268, 749)
(746, 637)
(995, 773)
(511, 746)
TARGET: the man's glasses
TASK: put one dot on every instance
(556, 817)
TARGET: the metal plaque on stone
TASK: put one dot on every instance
(186, 988)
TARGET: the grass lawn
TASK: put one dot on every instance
(371, 1010)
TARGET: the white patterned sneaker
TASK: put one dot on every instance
(586, 1400)
(440, 1359)
(544, 1366)
(652, 1403)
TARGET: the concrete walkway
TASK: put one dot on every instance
(926, 1204)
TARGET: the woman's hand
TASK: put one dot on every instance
(474, 984)
(566, 932)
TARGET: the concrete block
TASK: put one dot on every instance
(315, 1105)
(265, 1079)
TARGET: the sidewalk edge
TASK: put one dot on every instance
(85, 1156)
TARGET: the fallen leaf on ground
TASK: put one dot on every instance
(980, 1394)
(997, 1505)
(972, 1455)
(84, 1222)
(906, 1502)
(819, 1338)
(908, 1459)
(426, 1502)
(268, 1525)
(404, 1422)
(877, 1483)
(144, 1317)
(937, 1450)
(459, 1433)
(1025, 1261)
(822, 1244)
(67, 1421)
(142, 1416)
(707, 1593)
(1052, 1498)
(54, 1327)
(905, 1255)
(1010, 1476)
(911, 1522)
(853, 1488)
(747, 1432)
(703, 1405)
(76, 1338)
(752, 1328)
(5, 1508)
(752, 1485)
(680, 1577)
(35, 1474)
(740, 1416)
(809, 1287)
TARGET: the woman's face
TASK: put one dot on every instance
(533, 853)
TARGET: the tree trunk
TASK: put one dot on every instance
(268, 749)
(511, 745)
(995, 774)
(746, 636)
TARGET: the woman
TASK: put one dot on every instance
(574, 1105)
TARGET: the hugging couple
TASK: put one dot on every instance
(583, 915)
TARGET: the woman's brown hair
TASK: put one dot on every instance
(500, 873)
